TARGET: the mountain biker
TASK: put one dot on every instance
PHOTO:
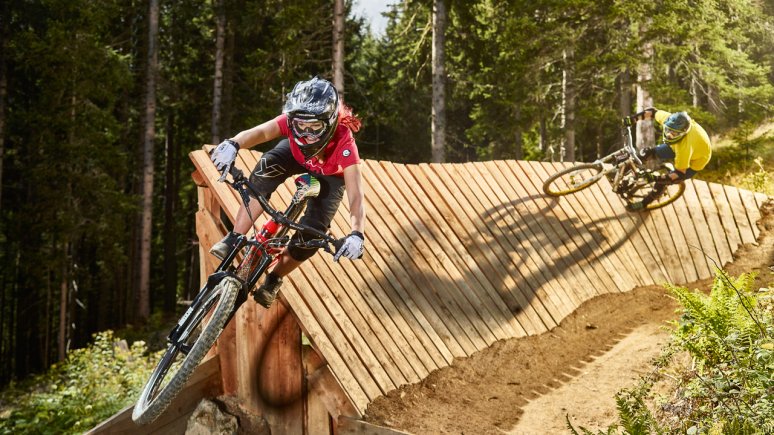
(318, 129)
(683, 140)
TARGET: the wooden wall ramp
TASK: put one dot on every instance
(462, 255)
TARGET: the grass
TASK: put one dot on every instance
(743, 158)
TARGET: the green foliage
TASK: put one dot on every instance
(728, 336)
(744, 158)
(75, 395)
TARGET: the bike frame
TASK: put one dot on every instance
(621, 161)
(262, 252)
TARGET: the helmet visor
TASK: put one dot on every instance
(672, 134)
(311, 129)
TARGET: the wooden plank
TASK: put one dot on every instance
(400, 287)
(412, 359)
(713, 219)
(700, 224)
(543, 277)
(347, 367)
(476, 311)
(545, 229)
(437, 232)
(445, 268)
(371, 330)
(565, 229)
(604, 227)
(753, 212)
(208, 234)
(726, 216)
(345, 335)
(670, 238)
(692, 241)
(439, 248)
(271, 368)
(538, 281)
(635, 228)
(573, 218)
(398, 317)
(627, 241)
(221, 190)
(325, 389)
(552, 273)
(740, 214)
(468, 229)
(445, 314)
(536, 317)
(681, 247)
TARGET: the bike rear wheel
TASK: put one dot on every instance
(641, 188)
(177, 365)
(572, 179)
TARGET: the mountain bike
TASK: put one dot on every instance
(630, 178)
(225, 291)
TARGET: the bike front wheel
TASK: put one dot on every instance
(185, 353)
(573, 179)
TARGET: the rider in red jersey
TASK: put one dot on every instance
(319, 140)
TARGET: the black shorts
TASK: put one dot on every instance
(274, 167)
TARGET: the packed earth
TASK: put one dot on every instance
(534, 385)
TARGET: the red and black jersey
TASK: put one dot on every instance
(339, 154)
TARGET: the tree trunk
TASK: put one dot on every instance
(64, 307)
(338, 45)
(217, 93)
(568, 105)
(149, 136)
(3, 91)
(645, 136)
(624, 99)
(625, 93)
(545, 146)
(228, 84)
(170, 227)
(438, 143)
(518, 138)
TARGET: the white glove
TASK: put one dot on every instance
(350, 246)
(224, 155)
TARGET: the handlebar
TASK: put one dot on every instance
(241, 184)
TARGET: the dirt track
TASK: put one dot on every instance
(529, 385)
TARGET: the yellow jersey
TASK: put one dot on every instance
(692, 150)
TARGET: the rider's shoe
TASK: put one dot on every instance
(635, 206)
(221, 249)
(267, 292)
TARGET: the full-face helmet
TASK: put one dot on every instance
(676, 127)
(312, 108)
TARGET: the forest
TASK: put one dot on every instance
(102, 100)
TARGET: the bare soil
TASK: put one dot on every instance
(531, 385)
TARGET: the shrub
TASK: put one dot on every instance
(729, 387)
(75, 395)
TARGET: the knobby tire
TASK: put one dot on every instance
(152, 403)
(672, 198)
(595, 176)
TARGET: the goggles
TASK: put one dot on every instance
(308, 128)
(672, 134)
